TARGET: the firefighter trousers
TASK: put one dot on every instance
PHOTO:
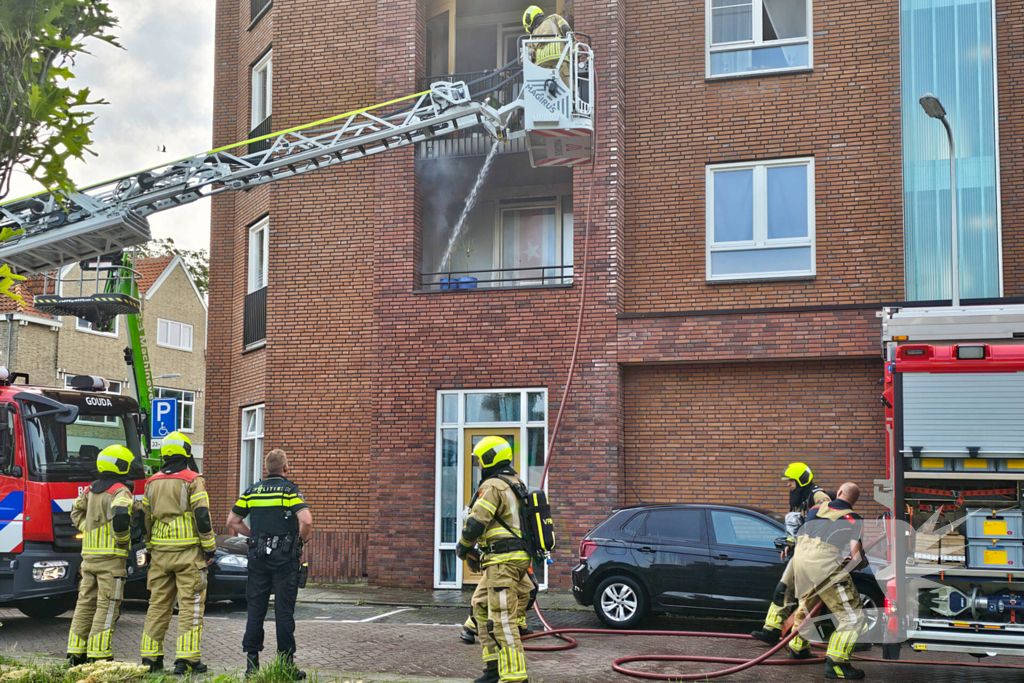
(98, 608)
(503, 582)
(174, 574)
(527, 593)
(777, 614)
(842, 599)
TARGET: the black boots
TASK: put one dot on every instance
(799, 654)
(768, 636)
(252, 663)
(490, 674)
(183, 666)
(154, 664)
(77, 660)
(842, 671)
(467, 636)
(297, 673)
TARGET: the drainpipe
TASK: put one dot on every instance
(10, 326)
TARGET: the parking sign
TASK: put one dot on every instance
(165, 417)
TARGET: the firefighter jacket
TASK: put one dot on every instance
(821, 544)
(496, 510)
(93, 514)
(177, 512)
(547, 55)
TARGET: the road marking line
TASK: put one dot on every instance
(381, 616)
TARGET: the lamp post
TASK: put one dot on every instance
(933, 108)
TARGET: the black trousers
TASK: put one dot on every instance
(266, 576)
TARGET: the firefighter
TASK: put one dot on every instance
(821, 573)
(555, 26)
(103, 513)
(804, 494)
(527, 590)
(494, 522)
(180, 543)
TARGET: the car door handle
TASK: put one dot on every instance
(645, 549)
(724, 557)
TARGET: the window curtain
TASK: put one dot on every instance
(947, 49)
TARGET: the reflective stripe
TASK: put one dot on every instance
(76, 644)
(503, 601)
(150, 647)
(493, 510)
(202, 495)
(506, 557)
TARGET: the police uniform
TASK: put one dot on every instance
(272, 506)
(102, 512)
(819, 575)
(180, 539)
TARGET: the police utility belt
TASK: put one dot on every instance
(274, 546)
(505, 545)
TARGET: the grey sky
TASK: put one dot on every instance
(160, 90)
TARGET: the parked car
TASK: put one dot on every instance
(228, 574)
(719, 559)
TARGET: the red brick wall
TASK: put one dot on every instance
(1010, 85)
(724, 432)
(846, 114)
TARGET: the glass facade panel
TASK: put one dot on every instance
(787, 202)
(492, 407)
(734, 206)
(759, 59)
(535, 407)
(450, 409)
(448, 564)
(947, 49)
(449, 485)
(755, 262)
(535, 456)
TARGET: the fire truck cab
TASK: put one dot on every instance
(49, 440)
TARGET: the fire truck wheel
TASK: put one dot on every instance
(47, 607)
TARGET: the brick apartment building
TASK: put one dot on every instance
(764, 183)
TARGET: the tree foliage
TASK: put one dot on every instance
(43, 120)
(197, 261)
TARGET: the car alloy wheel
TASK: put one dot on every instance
(871, 613)
(619, 602)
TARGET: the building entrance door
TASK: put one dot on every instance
(473, 474)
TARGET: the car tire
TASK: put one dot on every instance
(872, 605)
(47, 607)
(620, 602)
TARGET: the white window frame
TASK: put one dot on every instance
(257, 438)
(523, 424)
(168, 323)
(265, 63)
(756, 32)
(262, 225)
(181, 401)
(760, 240)
(88, 330)
(114, 387)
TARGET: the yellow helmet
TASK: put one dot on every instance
(531, 17)
(799, 472)
(175, 443)
(492, 450)
(116, 459)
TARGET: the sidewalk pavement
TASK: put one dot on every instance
(362, 594)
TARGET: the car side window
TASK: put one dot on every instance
(733, 528)
(675, 525)
(7, 444)
(630, 528)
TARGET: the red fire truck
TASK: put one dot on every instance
(954, 432)
(49, 440)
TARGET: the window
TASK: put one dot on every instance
(752, 36)
(675, 525)
(733, 528)
(113, 387)
(186, 406)
(258, 255)
(7, 442)
(174, 335)
(760, 220)
(262, 77)
(108, 330)
(630, 528)
(251, 470)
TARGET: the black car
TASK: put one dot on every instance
(687, 558)
(228, 574)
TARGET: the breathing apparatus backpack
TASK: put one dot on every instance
(534, 519)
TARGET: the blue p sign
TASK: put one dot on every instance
(165, 417)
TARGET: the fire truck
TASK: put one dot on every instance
(954, 435)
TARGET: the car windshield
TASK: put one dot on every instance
(68, 452)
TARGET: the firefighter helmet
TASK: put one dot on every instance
(798, 472)
(532, 18)
(175, 443)
(115, 459)
(492, 450)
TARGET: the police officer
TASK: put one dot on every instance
(804, 494)
(279, 524)
(181, 544)
(102, 512)
(494, 522)
(822, 574)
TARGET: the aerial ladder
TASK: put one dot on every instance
(555, 109)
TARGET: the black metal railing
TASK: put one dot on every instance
(497, 278)
(254, 322)
(264, 128)
(256, 8)
(497, 87)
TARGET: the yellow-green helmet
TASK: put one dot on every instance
(799, 472)
(116, 459)
(175, 443)
(530, 16)
(492, 450)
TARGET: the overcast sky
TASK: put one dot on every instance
(160, 90)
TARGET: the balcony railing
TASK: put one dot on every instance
(497, 87)
(497, 278)
(256, 8)
(254, 320)
(264, 128)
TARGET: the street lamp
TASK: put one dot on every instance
(933, 108)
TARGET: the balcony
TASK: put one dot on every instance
(254, 321)
(257, 9)
(497, 87)
(265, 128)
(497, 278)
